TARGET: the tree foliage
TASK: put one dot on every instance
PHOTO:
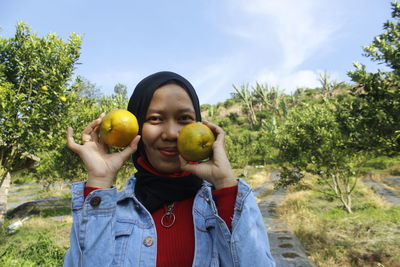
(248, 98)
(61, 163)
(34, 93)
(311, 141)
(377, 107)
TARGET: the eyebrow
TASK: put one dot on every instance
(183, 110)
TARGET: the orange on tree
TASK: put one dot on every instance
(118, 128)
(195, 142)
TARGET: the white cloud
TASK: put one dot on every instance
(289, 82)
(279, 37)
(214, 80)
(300, 27)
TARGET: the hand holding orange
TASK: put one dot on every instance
(195, 142)
(118, 128)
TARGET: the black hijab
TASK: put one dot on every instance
(152, 190)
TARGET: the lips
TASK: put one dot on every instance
(169, 151)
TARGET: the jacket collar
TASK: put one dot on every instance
(129, 191)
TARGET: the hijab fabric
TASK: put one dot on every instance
(152, 188)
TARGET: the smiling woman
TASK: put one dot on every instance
(172, 212)
(162, 125)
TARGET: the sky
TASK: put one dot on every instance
(215, 44)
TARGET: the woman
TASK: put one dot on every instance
(172, 212)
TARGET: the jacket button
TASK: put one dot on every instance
(148, 241)
(95, 201)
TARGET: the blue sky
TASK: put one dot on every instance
(214, 44)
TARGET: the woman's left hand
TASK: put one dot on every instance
(218, 169)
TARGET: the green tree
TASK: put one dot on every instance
(121, 89)
(61, 163)
(34, 93)
(271, 99)
(376, 110)
(311, 141)
(86, 88)
(247, 99)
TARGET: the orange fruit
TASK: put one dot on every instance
(118, 128)
(195, 142)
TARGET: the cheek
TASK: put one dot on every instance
(149, 134)
(145, 136)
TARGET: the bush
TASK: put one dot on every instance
(229, 103)
(395, 171)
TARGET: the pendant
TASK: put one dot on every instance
(168, 219)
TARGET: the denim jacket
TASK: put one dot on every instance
(113, 228)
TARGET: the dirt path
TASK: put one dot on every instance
(286, 248)
(387, 189)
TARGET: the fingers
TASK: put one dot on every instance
(70, 140)
(219, 133)
(131, 148)
(95, 135)
(219, 144)
(90, 132)
(185, 166)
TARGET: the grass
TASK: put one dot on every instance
(41, 241)
(370, 236)
(381, 166)
(381, 163)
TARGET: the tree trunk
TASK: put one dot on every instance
(342, 189)
(346, 200)
(3, 196)
(252, 114)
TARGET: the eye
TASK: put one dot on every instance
(154, 119)
(186, 118)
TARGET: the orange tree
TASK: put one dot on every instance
(312, 140)
(35, 98)
(60, 163)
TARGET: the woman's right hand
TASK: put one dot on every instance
(101, 165)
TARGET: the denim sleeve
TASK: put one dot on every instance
(91, 230)
(247, 244)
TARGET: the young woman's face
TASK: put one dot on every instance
(170, 109)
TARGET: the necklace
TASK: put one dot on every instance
(168, 219)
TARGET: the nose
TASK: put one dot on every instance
(170, 131)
